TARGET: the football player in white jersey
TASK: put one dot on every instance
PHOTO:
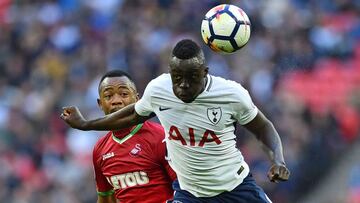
(198, 112)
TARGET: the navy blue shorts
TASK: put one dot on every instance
(247, 191)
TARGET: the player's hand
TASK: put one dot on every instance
(72, 116)
(278, 172)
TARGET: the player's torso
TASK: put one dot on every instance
(200, 138)
(206, 121)
(132, 169)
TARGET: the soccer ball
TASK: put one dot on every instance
(226, 28)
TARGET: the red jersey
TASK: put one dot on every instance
(132, 164)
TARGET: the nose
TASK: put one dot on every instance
(117, 100)
(184, 84)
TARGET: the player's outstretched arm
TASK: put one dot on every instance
(126, 117)
(264, 131)
(106, 199)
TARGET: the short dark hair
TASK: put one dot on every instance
(186, 49)
(115, 73)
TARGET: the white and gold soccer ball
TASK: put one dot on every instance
(226, 28)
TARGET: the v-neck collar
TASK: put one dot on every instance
(128, 136)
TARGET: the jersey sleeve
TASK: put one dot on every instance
(245, 110)
(143, 107)
(103, 187)
(163, 160)
(161, 154)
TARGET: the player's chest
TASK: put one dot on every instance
(123, 158)
(126, 167)
(209, 115)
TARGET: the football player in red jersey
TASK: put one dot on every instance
(130, 164)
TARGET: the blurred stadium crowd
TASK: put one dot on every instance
(302, 66)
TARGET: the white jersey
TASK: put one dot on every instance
(200, 135)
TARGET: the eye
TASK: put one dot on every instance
(177, 77)
(124, 94)
(107, 97)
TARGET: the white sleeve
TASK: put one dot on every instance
(143, 107)
(245, 109)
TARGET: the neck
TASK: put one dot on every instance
(205, 83)
(123, 132)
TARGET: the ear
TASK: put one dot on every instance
(99, 103)
(137, 96)
(206, 71)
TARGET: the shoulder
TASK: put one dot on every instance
(158, 85)
(160, 80)
(228, 87)
(103, 141)
(220, 81)
(153, 129)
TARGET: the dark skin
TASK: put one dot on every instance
(189, 80)
(114, 94)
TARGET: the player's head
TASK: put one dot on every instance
(116, 90)
(187, 69)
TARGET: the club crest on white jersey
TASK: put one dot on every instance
(214, 115)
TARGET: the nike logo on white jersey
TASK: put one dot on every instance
(164, 108)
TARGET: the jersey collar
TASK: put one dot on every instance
(128, 136)
(208, 83)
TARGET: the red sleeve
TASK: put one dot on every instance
(161, 152)
(171, 173)
(102, 185)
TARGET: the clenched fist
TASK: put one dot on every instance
(72, 116)
(278, 172)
